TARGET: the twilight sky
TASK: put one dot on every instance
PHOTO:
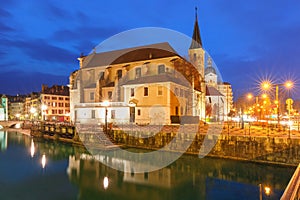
(248, 40)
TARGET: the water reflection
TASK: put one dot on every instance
(32, 148)
(3, 140)
(187, 178)
(43, 161)
(105, 182)
(81, 176)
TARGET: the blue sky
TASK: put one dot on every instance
(248, 40)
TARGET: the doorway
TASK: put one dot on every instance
(132, 114)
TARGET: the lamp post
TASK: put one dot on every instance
(106, 104)
(259, 106)
(266, 85)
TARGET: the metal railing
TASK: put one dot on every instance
(292, 191)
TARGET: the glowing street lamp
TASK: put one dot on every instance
(18, 116)
(266, 85)
(249, 96)
(32, 111)
(289, 84)
(264, 96)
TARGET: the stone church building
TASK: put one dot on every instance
(149, 84)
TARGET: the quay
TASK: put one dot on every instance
(57, 131)
(255, 144)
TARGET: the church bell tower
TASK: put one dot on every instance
(196, 52)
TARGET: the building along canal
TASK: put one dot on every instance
(36, 168)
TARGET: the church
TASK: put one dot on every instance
(219, 97)
(150, 84)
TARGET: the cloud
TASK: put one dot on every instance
(21, 82)
(5, 28)
(86, 32)
(39, 49)
(85, 38)
(4, 13)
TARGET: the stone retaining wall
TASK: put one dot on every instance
(275, 150)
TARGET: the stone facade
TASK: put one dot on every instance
(140, 89)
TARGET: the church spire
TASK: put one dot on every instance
(196, 41)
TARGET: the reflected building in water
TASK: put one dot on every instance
(81, 175)
(184, 179)
(3, 140)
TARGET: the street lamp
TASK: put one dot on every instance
(32, 111)
(267, 85)
(106, 104)
(261, 105)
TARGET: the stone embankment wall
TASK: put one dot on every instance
(265, 148)
(257, 145)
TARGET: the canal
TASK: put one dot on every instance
(44, 169)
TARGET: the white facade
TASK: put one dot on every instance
(219, 98)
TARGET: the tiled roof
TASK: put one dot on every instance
(212, 91)
(153, 51)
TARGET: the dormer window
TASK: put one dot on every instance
(161, 69)
(119, 73)
(138, 72)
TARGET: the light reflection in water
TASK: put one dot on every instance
(105, 182)
(43, 161)
(187, 178)
(201, 179)
(32, 148)
(267, 190)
